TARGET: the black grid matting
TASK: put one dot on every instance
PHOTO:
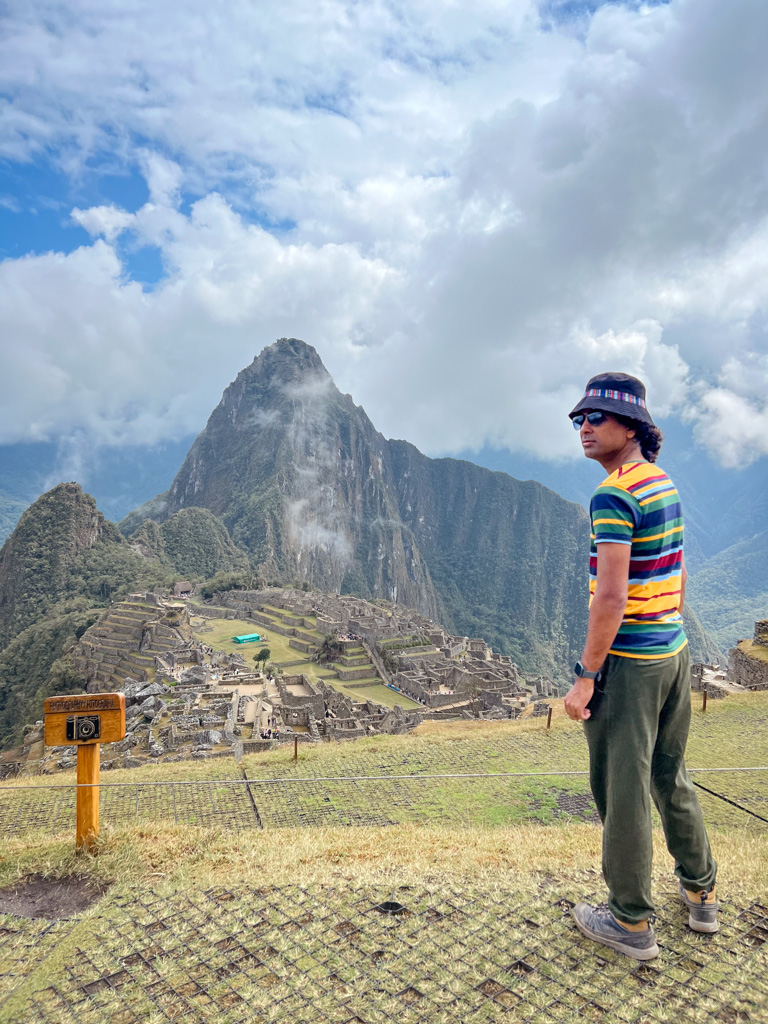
(322, 954)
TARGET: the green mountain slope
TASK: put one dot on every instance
(63, 547)
(730, 591)
(508, 558)
(193, 542)
(703, 648)
(35, 665)
(65, 562)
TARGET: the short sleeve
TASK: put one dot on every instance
(615, 515)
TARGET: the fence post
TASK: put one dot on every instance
(88, 769)
(704, 701)
(549, 717)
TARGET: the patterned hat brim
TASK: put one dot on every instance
(630, 410)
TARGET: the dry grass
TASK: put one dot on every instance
(756, 651)
(172, 856)
(174, 865)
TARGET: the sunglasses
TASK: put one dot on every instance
(593, 418)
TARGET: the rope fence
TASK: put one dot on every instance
(341, 778)
(452, 798)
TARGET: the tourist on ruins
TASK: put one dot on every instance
(632, 686)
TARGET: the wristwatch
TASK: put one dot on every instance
(582, 673)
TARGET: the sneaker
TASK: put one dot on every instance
(702, 911)
(598, 923)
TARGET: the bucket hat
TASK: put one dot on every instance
(617, 393)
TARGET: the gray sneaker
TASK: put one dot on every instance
(702, 912)
(598, 923)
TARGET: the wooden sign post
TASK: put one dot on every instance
(86, 721)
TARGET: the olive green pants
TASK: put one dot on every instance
(641, 713)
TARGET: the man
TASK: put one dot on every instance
(632, 686)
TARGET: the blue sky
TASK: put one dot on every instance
(533, 192)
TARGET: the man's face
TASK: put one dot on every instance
(606, 440)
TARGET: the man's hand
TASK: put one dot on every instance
(577, 698)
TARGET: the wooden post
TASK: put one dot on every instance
(549, 717)
(295, 748)
(87, 720)
(88, 767)
(704, 701)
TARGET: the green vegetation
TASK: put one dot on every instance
(508, 559)
(330, 650)
(375, 691)
(35, 665)
(487, 869)
(221, 582)
(63, 564)
(218, 633)
(703, 648)
(10, 513)
(401, 643)
(63, 548)
(730, 592)
(197, 544)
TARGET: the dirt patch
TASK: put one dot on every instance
(52, 899)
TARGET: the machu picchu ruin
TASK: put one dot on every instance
(321, 667)
(326, 667)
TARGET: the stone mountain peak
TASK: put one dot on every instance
(286, 360)
(309, 488)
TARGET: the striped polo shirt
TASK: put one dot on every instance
(638, 505)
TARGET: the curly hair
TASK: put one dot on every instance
(648, 436)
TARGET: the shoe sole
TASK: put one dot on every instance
(632, 951)
(705, 927)
(708, 928)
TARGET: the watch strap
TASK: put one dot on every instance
(582, 673)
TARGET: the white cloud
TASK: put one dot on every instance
(107, 221)
(89, 351)
(476, 211)
(732, 427)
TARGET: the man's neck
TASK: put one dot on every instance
(629, 453)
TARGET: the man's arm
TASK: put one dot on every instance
(605, 615)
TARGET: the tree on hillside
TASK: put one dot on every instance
(262, 656)
(330, 650)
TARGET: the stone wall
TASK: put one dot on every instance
(747, 672)
(347, 675)
(312, 702)
(208, 611)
